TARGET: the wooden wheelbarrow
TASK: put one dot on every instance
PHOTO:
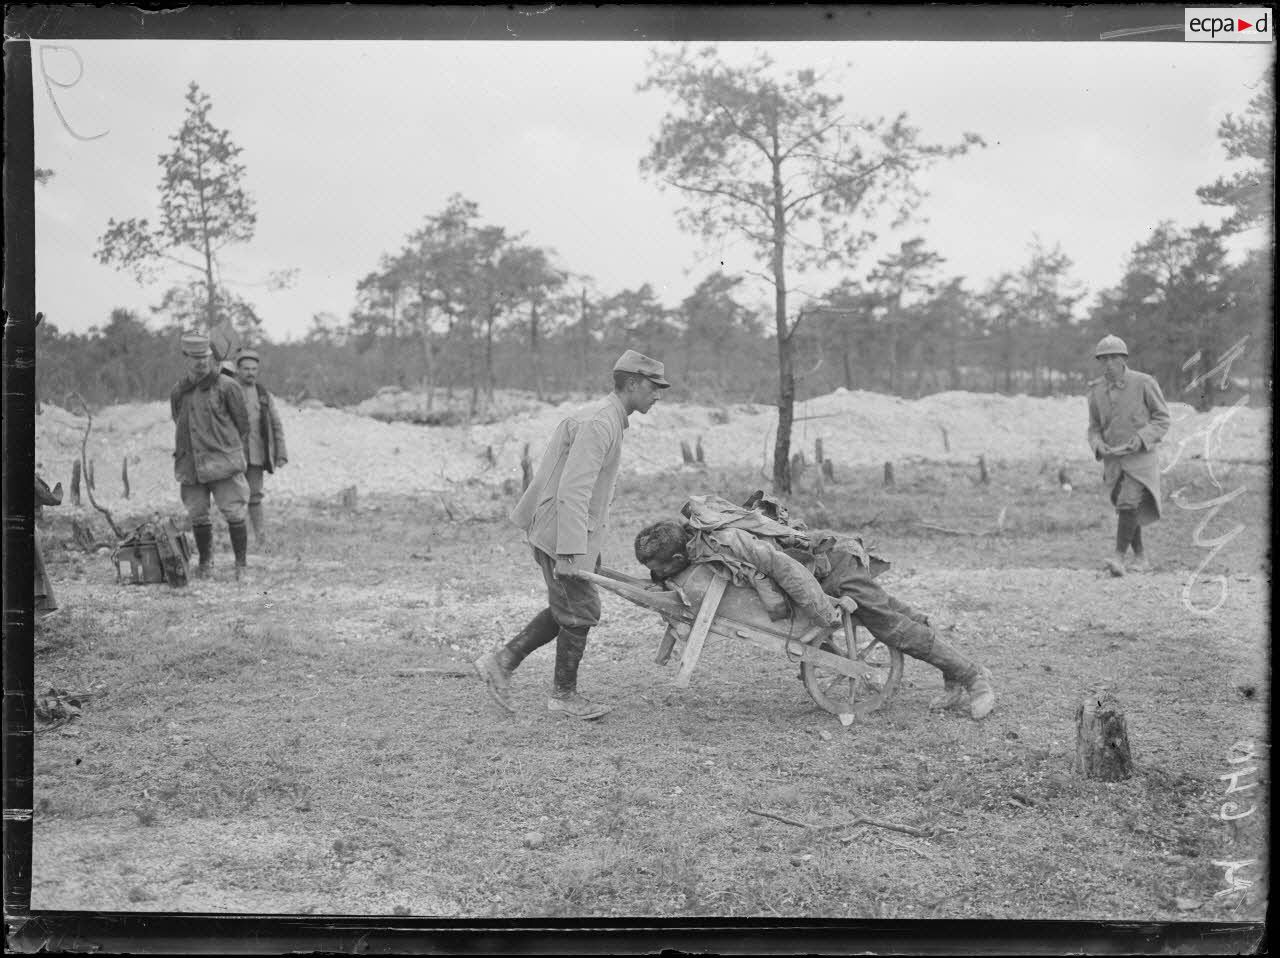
(845, 675)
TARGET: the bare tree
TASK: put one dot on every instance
(776, 161)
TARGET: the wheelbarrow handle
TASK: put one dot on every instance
(640, 592)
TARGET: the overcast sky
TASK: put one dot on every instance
(350, 145)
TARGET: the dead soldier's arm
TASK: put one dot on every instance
(793, 578)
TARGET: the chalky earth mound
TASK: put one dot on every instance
(333, 449)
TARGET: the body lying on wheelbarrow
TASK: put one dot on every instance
(846, 676)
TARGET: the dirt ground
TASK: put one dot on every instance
(282, 745)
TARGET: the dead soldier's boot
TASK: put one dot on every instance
(959, 674)
(204, 548)
(240, 546)
(565, 698)
(963, 673)
(495, 668)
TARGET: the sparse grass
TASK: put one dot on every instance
(279, 760)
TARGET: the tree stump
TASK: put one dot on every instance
(88, 476)
(817, 451)
(946, 439)
(888, 474)
(124, 475)
(698, 454)
(984, 477)
(829, 470)
(1102, 741)
(685, 452)
(75, 483)
(350, 498)
(797, 465)
(83, 535)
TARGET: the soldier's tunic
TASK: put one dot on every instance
(565, 510)
(1134, 406)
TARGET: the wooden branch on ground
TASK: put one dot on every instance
(905, 829)
(956, 532)
(778, 818)
(444, 673)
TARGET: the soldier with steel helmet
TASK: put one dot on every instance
(1128, 417)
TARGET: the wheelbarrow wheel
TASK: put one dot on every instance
(877, 673)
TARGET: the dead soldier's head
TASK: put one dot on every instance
(660, 547)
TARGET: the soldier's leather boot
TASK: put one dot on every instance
(204, 548)
(565, 698)
(239, 545)
(259, 529)
(495, 668)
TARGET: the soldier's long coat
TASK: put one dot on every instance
(1134, 407)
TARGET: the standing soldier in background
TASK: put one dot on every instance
(264, 450)
(565, 515)
(1127, 419)
(212, 428)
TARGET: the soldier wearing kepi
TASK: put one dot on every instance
(211, 429)
(264, 450)
(565, 515)
(1127, 419)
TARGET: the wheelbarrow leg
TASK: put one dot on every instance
(667, 644)
(701, 625)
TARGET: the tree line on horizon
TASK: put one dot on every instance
(465, 307)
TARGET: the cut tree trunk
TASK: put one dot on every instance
(526, 468)
(1102, 741)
